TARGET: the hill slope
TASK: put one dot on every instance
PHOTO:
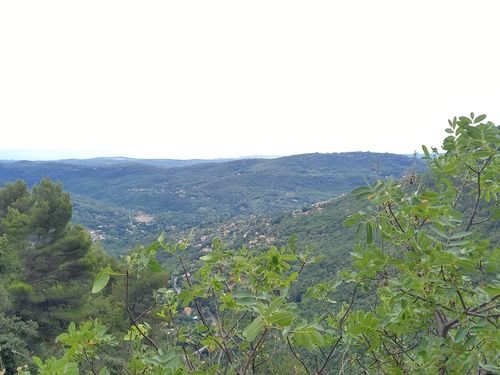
(127, 201)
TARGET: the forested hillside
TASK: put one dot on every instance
(124, 203)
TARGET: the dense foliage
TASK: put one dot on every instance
(422, 295)
(437, 278)
(46, 266)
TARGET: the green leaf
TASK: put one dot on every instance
(282, 318)
(479, 119)
(161, 238)
(207, 258)
(253, 329)
(474, 133)
(100, 281)
(153, 247)
(361, 192)
(274, 305)
(437, 163)
(461, 333)
(494, 369)
(369, 233)
(37, 361)
(458, 235)
(309, 337)
(439, 232)
(154, 266)
(317, 338)
(352, 220)
(244, 297)
(426, 151)
(275, 260)
(464, 120)
(305, 339)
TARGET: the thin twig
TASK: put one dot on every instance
(254, 351)
(228, 288)
(482, 220)
(476, 204)
(129, 312)
(343, 362)
(296, 356)
(485, 303)
(460, 192)
(478, 196)
(341, 322)
(146, 311)
(395, 218)
(363, 367)
(423, 222)
(183, 345)
(393, 355)
(92, 368)
(350, 305)
(490, 308)
(402, 349)
(461, 299)
(223, 333)
(426, 301)
(201, 315)
(238, 321)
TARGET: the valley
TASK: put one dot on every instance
(110, 194)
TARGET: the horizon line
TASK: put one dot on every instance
(24, 155)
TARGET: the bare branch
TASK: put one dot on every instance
(481, 306)
(389, 207)
(145, 312)
(461, 299)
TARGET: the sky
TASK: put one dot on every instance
(217, 79)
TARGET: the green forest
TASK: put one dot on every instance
(109, 194)
(395, 273)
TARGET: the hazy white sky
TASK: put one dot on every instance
(185, 79)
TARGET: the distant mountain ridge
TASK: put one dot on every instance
(123, 160)
(111, 193)
(113, 161)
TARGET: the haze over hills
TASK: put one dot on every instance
(123, 199)
(116, 161)
(73, 157)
